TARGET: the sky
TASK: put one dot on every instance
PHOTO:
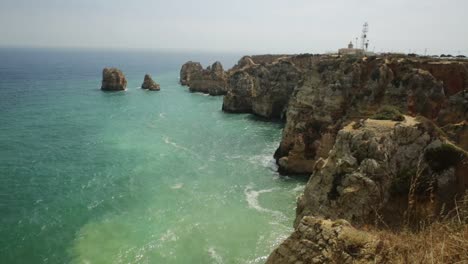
(254, 26)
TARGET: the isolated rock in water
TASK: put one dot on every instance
(189, 70)
(149, 84)
(113, 80)
(324, 241)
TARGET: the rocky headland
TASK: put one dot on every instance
(113, 80)
(211, 80)
(383, 138)
(149, 84)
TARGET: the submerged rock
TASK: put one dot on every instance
(113, 80)
(149, 84)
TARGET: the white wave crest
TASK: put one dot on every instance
(252, 200)
(265, 160)
(168, 141)
(177, 186)
(215, 256)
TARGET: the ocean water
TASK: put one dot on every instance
(135, 176)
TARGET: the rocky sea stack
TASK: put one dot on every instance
(149, 84)
(113, 80)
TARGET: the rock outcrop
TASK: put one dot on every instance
(376, 166)
(149, 84)
(113, 80)
(337, 89)
(212, 80)
(324, 241)
(188, 70)
(380, 173)
(261, 89)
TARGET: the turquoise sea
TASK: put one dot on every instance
(135, 176)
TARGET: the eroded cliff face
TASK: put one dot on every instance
(261, 89)
(212, 80)
(380, 173)
(188, 70)
(336, 90)
(376, 166)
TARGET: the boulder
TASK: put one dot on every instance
(317, 240)
(113, 80)
(149, 84)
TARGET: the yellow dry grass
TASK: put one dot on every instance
(444, 241)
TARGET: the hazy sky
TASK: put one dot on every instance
(257, 26)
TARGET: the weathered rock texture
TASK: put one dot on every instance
(324, 241)
(211, 80)
(149, 84)
(113, 80)
(188, 70)
(385, 139)
(379, 172)
(335, 90)
(376, 166)
(261, 89)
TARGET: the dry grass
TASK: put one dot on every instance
(444, 241)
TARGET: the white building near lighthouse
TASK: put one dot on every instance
(350, 50)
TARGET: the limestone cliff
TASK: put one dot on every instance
(384, 139)
(338, 89)
(376, 166)
(388, 171)
(211, 80)
(261, 89)
(383, 173)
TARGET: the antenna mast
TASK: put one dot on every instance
(364, 41)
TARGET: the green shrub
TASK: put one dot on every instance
(388, 113)
(443, 157)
